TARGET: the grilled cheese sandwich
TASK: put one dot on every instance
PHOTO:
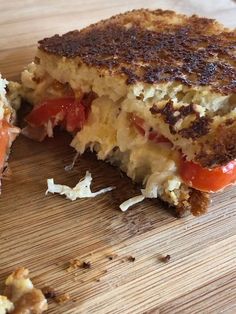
(150, 91)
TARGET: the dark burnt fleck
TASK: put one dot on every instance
(171, 115)
(165, 259)
(154, 109)
(197, 128)
(132, 77)
(131, 258)
(112, 256)
(86, 265)
(186, 110)
(167, 112)
(195, 52)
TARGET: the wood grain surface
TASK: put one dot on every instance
(44, 233)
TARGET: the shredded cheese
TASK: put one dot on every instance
(131, 201)
(81, 190)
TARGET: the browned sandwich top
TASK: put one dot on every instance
(154, 47)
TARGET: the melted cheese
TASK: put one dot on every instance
(109, 133)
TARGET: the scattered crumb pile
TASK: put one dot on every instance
(74, 264)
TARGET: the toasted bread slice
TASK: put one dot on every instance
(174, 73)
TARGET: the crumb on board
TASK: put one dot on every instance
(165, 258)
(62, 298)
(86, 265)
(49, 292)
(73, 265)
(111, 256)
(131, 258)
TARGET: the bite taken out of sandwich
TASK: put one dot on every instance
(150, 91)
(9, 102)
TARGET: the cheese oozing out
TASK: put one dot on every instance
(109, 132)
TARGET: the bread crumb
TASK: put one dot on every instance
(63, 298)
(86, 265)
(131, 258)
(112, 256)
(165, 259)
(49, 292)
(73, 265)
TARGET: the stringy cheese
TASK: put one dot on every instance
(81, 190)
(131, 201)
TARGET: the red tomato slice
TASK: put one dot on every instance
(66, 111)
(153, 136)
(207, 180)
(4, 141)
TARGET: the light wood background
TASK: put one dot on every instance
(45, 233)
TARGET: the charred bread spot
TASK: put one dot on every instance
(221, 147)
(197, 129)
(171, 115)
(132, 78)
(151, 47)
(167, 113)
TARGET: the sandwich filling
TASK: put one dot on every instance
(117, 122)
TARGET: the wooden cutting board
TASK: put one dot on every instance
(44, 233)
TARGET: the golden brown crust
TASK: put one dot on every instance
(153, 47)
(221, 147)
(199, 202)
(193, 201)
(215, 135)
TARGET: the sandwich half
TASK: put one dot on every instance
(9, 98)
(153, 92)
